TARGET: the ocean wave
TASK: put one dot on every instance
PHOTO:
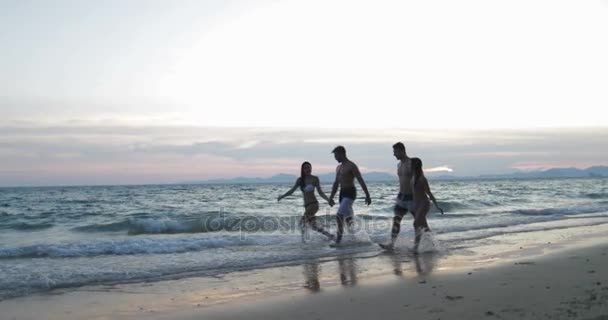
(243, 188)
(367, 217)
(557, 211)
(449, 206)
(81, 201)
(477, 233)
(135, 246)
(101, 227)
(196, 243)
(227, 222)
(457, 215)
(596, 195)
(209, 224)
(212, 223)
(24, 226)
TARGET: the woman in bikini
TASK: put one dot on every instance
(308, 183)
(421, 204)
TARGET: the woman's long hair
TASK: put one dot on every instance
(302, 173)
(417, 169)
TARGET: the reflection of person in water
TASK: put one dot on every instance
(348, 271)
(311, 273)
(423, 263)
(396, 261)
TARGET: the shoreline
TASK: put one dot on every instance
(359, 276)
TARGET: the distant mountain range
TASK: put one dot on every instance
(596, 171)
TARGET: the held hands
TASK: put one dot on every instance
(331, 202)
(441, 210)
(279, 198)
(368, 200)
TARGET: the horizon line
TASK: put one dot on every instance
(435, 176)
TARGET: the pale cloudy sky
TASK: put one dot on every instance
(145, 91)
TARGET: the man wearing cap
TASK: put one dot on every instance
(346, 172)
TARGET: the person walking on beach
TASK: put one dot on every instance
(346, 173)
(421, 204)
(405, 197)
(307, 183)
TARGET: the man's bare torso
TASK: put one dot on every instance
(346, 174)
(404, 171)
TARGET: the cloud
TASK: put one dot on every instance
(439, 169)
(248, 144)
(151, 154)
(511, 154)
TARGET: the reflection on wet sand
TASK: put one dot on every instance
(423, 263)
(348, 271)
(311, 275)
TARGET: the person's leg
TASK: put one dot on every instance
(340, 232)
(303, 232)
(309, 219)
(302, 226)
(398, 215)
(425, 225)
(418, 235)
(350, 222)
(309, 211)
(423, 222)
(350, 215)
(344, 212)
(317, 228)
(420, 223)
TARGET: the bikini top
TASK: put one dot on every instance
(308, 188)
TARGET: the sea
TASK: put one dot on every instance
(69, 237)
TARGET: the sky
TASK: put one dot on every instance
(151, 91)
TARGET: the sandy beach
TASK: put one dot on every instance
(314, 160)
(561, 287)
(561, 276)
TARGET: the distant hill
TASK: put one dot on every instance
(596, 171)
